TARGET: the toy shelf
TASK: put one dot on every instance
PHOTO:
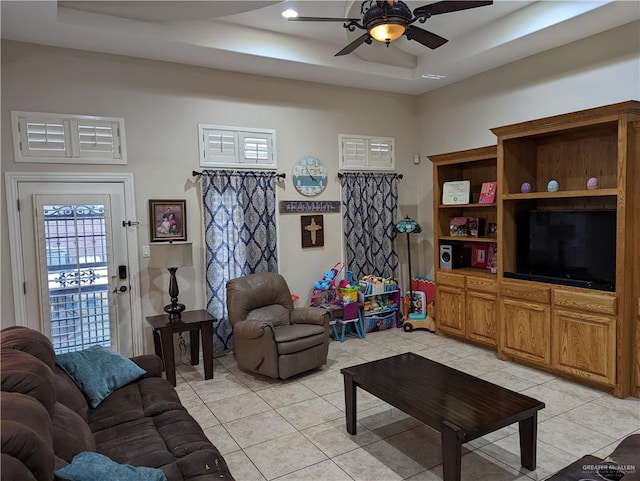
(381, 318)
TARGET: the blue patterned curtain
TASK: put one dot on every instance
(240, 236)
(369, 207)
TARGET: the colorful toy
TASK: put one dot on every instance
(348, 294)
(324, 283)
(420, 317)
(329, 278)
(324, 292)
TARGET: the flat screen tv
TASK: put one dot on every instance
(575, 247)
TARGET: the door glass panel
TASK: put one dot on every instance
(77, 272)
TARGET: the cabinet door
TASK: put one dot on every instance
(481, 317)
(584, 345)
(450, 309)
(637, 351)
(526, 330)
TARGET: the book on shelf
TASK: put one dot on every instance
(488, 193)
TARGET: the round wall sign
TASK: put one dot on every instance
(309, 176)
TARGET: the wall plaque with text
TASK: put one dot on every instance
(309, 206)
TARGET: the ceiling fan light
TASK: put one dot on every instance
(289, 13)
(387, 32)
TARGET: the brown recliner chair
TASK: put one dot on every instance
(271, 337)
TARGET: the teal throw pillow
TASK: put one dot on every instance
(89, 466)
(98, 372)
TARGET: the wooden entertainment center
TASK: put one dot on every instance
(585, 334)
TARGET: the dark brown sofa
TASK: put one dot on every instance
(623, 464)
(46, 419)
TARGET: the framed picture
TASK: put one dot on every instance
(312, 230)
(167, 220)
(488, 193)
(456, 192)
(479, 255)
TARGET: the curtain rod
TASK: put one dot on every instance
(195, 173)
(341, 175)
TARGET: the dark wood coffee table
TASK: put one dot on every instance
(461, 407)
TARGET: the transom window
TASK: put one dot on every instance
(66, 138)
(366, 153)
(236, 147)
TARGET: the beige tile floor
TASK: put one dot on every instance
(295, 429)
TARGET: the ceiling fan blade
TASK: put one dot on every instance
(426, 38)
(448, 6)
(322, 19)
(364, 38)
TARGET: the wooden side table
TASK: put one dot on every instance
(196, 322)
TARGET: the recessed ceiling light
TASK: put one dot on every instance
(433, 76)
(289, 13)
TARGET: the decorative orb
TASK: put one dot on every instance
(592, 183)
(553, 186)
(525, 188)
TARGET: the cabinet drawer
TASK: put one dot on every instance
(585, 301)
(450, 279)
(529, 291)
(482, 284)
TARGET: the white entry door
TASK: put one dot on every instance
(76, 264)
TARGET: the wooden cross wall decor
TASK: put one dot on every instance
(312, 230)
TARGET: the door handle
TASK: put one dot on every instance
(120, 289)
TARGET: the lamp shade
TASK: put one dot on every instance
(173, 254)
(408, 226)
(387, 32)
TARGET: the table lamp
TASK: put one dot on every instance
(172, 256)
(408, 226)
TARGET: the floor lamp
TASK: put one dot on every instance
(172, 256)
(408, 226)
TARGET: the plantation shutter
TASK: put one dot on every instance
(366, 153)
(44, 138)
(98, 139)
(354, 152)
(380, 153)
(238, 148)
(66, 138)
(256, 148)
(219, 146)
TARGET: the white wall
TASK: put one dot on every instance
(598, 70)
(162, 103)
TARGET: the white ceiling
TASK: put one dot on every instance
(253, 37)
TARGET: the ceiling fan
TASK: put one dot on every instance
(387, 20)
